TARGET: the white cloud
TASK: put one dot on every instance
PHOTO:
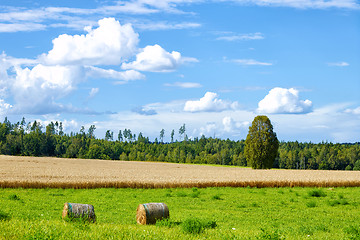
(183, 85)
(209, 130)
(93, 92)
(338, 64)
(303, 4)
(36, 90)
(109, 44)
(13, 19)
(4, 107)
(129, 75)
(7, 62)
(143, 110)
(209, 103)
(232, 126)
(151, 26)
(156, 59)
(39, 86)
(240, 37)
(353, 111)
(282, 100)
(228, 123)
(23, 27)
(250, 62)
(329, 123)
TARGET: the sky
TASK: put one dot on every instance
(148, 65)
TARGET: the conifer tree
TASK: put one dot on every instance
(261, 145)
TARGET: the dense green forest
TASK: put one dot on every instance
(32, 139)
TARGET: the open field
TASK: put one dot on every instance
(239, 213)
(33, 172)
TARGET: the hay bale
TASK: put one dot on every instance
(149, 213)
(77, 210)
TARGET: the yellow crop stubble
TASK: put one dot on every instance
(42, 172)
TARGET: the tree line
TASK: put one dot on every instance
(33, 139)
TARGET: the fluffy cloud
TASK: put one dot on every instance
(209, 103)
(36, 89)
(38, 86)
(282, 100)
(156, 59)
(230, 125)
(4, 107)
(109, 44)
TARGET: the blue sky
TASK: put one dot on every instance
(148, 65)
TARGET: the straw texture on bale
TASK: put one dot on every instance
(149, 213)
(77, 210)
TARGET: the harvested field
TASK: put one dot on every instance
(42, 172)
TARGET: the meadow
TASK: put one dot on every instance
(195, 213)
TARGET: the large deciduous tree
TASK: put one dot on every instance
(261, 145)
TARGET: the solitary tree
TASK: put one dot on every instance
(109, 135)
(261, 145)
(162, 133)
(182, 131)
(120, 136)
(172, 135)
(91, 131)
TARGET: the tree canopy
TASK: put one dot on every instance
(261, 145)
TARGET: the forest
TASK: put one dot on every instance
(33, 139)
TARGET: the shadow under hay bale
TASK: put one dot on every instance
(149, 213)
(79, 211)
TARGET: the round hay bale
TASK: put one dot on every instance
(78, 210)
(149, 213)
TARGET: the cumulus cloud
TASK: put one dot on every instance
(209, 103)
(230, 125)
(156, 59)
(283, 100)
(39, 86)
(36, 89)
(109, 44)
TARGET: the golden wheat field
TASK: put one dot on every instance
(42, 172)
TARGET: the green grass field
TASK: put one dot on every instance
(239, 213)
